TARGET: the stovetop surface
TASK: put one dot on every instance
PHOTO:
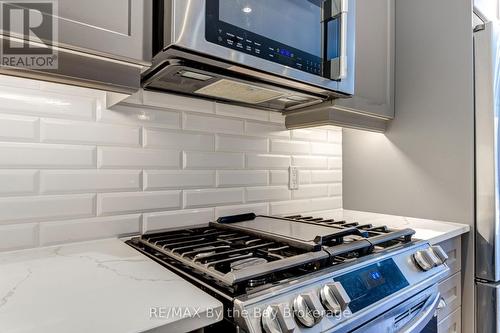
(238, 254)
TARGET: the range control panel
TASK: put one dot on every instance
(338, 300)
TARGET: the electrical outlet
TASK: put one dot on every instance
(293, 178)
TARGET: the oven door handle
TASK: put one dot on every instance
(336, 68)
(425, 315)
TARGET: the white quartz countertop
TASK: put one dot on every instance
(431, 230)
(101, 287)
(106, 286)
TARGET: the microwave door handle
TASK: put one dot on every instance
(425, 315)
(335, 69)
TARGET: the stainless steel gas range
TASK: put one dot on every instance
(305, 274)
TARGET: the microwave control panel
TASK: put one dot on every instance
(244, 41)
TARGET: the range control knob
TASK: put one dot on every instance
(439, 252)
(277, 319)
(307, 309)
(430, 258)
(423, 260)
(334, 297)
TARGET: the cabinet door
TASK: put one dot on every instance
(375, 56)
(453, 248)
(451, 292)
(452, 323)
(118, 29)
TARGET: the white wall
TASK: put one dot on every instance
(71, 170)
(423, 166)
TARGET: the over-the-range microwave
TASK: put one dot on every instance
(274, 54)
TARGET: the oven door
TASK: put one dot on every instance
(311, 41)
(415, 315)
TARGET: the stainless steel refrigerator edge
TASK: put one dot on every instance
(487, 236)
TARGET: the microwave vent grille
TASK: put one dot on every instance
(238, 91)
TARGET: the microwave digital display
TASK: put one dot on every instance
(295, 23)
(288, 32)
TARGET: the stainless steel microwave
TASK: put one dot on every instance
(275, 54)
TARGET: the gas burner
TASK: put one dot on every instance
(252, 283)
(245, 263)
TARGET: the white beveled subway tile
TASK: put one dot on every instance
(18, 236)
(68, 181)
(79, 132)
(288, 207)
(39, 155)
(177, 219)
(321, 148)
(326, 176)
(325, 204)
(310, 191)
(290, 147)
(276, 117)
(18, 82)
(335, 190)
(18, 182)
(181, 140)
(241, 143)
(258, 209)
(38, 208)
(268, 193)
(171, 101)
(310, 134)
(132, 114)
(133, 158)
(241, 112)
(165, 179)
(48, 104)
(18, 128)
(212, 197)
(88, 229)
(304, 177)
(131, 202)
(205, 160)
(266, 129)
(241, 178)
(278, 177)
(66, 89)
(335, 163)
(307, 205)
(266, 161)
(212, 124)
(335, 135)
(310, 162)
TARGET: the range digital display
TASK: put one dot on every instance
(372, 283)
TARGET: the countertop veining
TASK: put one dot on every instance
(100, 286)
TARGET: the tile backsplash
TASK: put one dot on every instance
(72, 170)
